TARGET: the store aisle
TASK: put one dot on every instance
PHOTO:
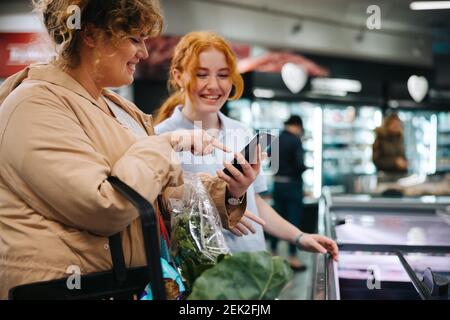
(300, 288)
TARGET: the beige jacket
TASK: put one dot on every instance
(57, 148)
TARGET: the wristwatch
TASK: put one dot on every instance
(236, 201)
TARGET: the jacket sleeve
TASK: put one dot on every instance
(50, 162)
(379, 159)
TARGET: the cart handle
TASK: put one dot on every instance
(151, 240)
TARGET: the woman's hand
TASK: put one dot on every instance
(239, 182)
(320, 244)
(197, 141)
(246, 225)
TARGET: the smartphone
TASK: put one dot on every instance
(265, 139)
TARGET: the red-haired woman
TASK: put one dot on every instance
(203, 76)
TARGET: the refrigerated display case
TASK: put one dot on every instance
(427, 150)
(389, 248)
(443, 142)
(381, 275)
(270, 115)
(338, 140)
(420, 136)
(348, 136)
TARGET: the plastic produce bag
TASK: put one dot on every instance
(197, 238)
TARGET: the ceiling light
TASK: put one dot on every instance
(429, 5)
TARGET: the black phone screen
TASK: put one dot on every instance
(265, 139)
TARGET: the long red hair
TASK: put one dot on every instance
(186, 59)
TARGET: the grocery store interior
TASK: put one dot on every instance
(353, 63)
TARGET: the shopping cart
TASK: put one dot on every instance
(118, 283)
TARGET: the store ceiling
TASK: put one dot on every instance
(330, 27)
(395, 14)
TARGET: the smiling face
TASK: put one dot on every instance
(212, 84)
(117, 63)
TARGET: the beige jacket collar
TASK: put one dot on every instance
(54, 74)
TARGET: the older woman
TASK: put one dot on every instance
(62, 134)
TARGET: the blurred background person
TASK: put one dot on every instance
(389, 150)
(288, 183)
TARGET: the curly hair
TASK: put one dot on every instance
(114, 19)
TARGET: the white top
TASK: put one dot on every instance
(126, 120)
(235, 136)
